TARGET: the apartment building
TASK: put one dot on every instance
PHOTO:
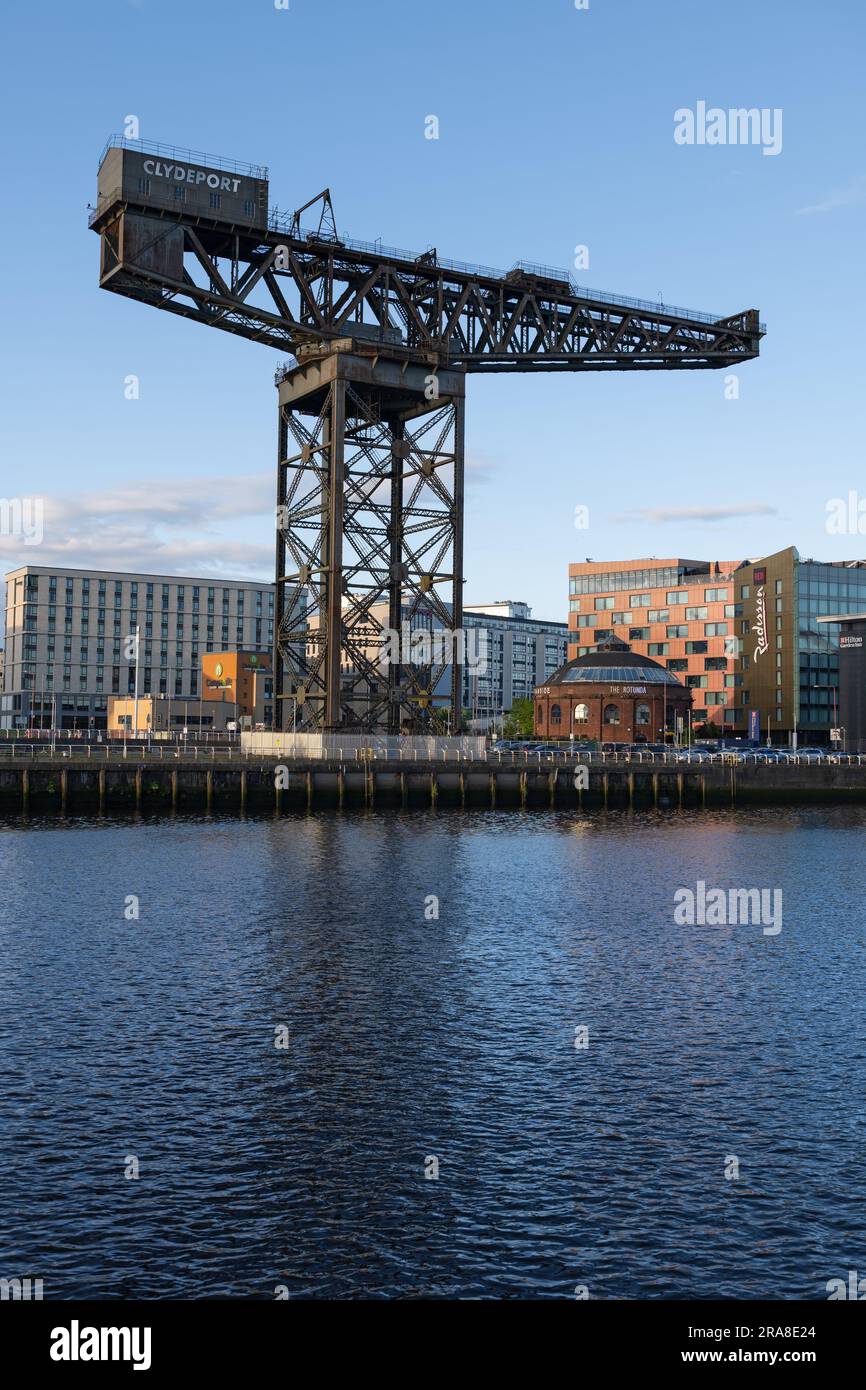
(71, 638)
(521, 653)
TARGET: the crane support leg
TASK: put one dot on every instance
(369, 609)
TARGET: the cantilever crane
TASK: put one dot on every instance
(371, 405)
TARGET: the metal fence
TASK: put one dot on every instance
(364, 752)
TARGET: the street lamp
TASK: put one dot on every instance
(137, 670)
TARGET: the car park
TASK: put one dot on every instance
(811, 755)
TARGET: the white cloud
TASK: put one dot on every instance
(663, 514)
(166, 526)
(845, 197)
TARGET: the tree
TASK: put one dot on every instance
(520, 719)
(709, 730)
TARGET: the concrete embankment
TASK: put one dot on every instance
(73, 785)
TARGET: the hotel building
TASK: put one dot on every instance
(743, 636)
(682, 613)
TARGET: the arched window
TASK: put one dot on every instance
(581, 714)
(541, 714)
(611, 714)
(642, 714)
(555, 714)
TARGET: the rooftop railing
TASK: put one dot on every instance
(237, 166)
(282, 222)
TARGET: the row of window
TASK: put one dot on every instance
(610, 714)
(133, 586)
(618, 580)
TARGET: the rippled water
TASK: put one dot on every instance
(412, 1039)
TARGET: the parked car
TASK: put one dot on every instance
(811, 755)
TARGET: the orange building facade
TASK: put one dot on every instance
(682, 613)
(242, 679)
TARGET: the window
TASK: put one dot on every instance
(581, 714)
(696, 648)
(658, 615)
(678, 596)
(640, 600)
(556, 714)
(745, 591)
(638, 634)
(144, 186)
(716, 629)
(658, 649)
(611, 714)
(602, 603)
(179, 194)
(642, 714)
(678, 630)
(215, 200)
(715, 595)
(248, 207)
(696, 615)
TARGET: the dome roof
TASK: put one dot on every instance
(613, 663)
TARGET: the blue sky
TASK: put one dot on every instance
(556, 128)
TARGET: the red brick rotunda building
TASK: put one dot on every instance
(611, 694)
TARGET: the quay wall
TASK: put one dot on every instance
(237, 784)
